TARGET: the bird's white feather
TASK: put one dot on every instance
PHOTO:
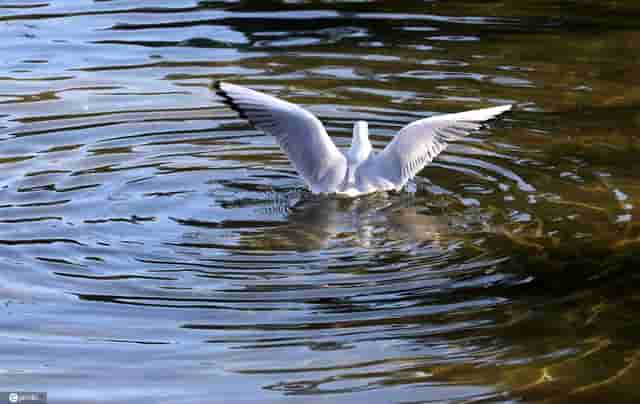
(325, 169)
(298, 132)
(418, 143)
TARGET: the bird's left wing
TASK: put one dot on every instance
(298, 132)
(418, 143)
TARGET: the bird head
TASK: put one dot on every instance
(360, 145)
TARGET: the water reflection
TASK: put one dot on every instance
(146, 229)
(318, 223)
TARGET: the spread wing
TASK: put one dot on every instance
(298, 132)
(418, 143)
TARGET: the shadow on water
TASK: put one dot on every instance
(151, 238)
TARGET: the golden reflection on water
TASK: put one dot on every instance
(142, 222)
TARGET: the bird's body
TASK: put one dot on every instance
(359, 171)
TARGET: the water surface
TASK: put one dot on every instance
(154, 247)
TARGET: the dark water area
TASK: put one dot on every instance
(154, 248)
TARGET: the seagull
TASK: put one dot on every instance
(359, 171)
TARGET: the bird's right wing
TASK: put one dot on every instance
(418, 143)
(298, 132)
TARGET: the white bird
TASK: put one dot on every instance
(359, 171)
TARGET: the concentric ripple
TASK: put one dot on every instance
(156, 248)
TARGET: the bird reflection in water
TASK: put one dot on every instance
(378, 220)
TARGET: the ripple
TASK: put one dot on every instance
(146, 228)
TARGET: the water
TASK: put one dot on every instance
(156, 248)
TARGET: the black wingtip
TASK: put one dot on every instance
(226, 98)
(217, 87)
